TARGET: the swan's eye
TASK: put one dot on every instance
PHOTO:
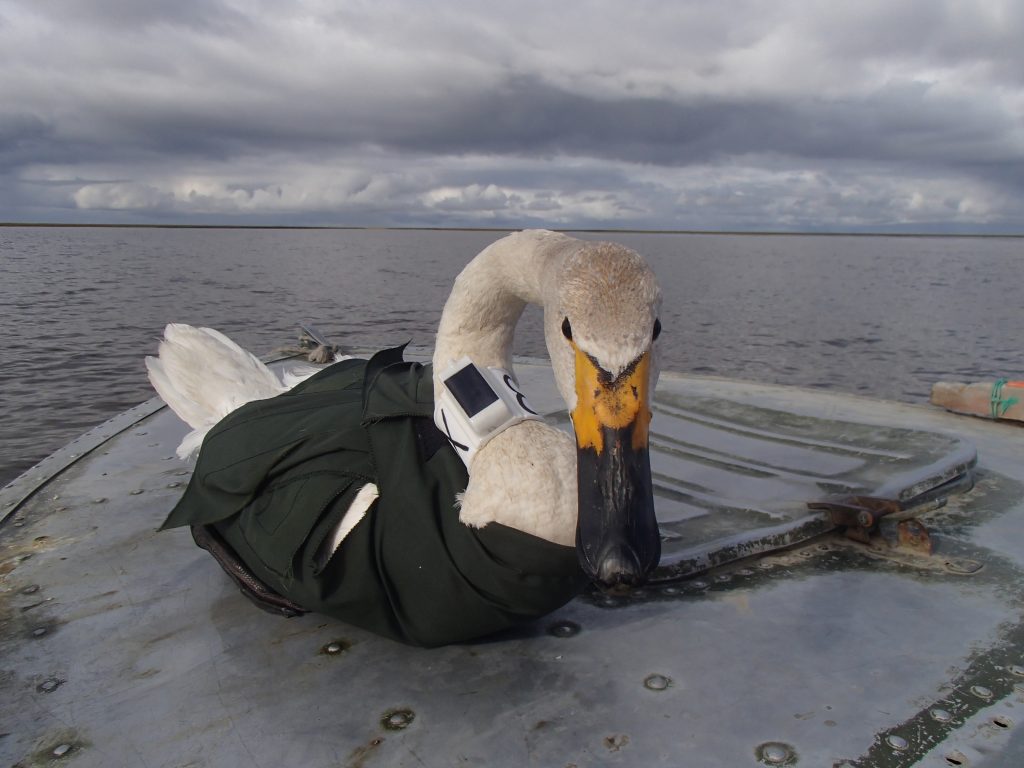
(657, 330)
(567, 329)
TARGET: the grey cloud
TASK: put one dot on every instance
(186, 97)
(202, 15)
(524, 115)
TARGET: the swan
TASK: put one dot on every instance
(526, 516)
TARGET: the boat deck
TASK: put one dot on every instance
(768, 637)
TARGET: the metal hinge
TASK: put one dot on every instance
(857, 515)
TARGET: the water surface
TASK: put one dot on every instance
(878, 316)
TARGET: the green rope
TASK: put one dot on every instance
(1001, 405)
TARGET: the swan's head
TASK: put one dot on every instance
(601, 324)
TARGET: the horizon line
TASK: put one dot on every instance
(589, 230)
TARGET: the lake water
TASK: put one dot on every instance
(878, 316)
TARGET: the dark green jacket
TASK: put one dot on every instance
(275, 476)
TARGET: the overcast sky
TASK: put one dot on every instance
(741, 114)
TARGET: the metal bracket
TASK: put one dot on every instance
(858, 515)
(913, 535)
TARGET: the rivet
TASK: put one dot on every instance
(638, 594)
(963, 565)
(607, 601)
(897, 742)
(721, 578)
(139, 434)
(805, 554)
(335, 647)
(940, 715)
(824, 547)
(99, 500)
(744, 572)
(1016, 669)
(49, 685)
(397, 719)
(981, 691)
(137, 492)
(61, 750)
(766, 565)
(564, 629)
(168, 458)
(670, 590)
(699, 584)
(38, 631)
(775, 753)
(182, 473)
(19, 523)
(31, 589)
(657, 682)
(174, 484)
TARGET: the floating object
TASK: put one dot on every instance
(1000, 399)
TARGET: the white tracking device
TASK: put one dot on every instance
(476, 404)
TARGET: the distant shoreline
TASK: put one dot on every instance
(745, 233)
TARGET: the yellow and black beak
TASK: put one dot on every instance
(617, 537)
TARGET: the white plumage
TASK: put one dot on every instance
(525, 477)
(203, 376)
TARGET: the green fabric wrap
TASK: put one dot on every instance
(275, 476)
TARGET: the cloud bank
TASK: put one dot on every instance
(795, 115)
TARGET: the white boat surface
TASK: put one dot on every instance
(774, 633)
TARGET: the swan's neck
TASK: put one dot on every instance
(525, 477)
(480, 316)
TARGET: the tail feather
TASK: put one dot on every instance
(203, 376)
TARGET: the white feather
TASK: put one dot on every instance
(203, 376)
(356, 511)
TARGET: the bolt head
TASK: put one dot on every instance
(657, 682)
(335, 647)
(775, 753)
(397, 719)
(564, 629)
(897, 742)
